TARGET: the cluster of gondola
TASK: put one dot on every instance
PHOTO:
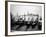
(21, 22)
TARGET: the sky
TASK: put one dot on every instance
(25, 9)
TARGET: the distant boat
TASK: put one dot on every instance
(28, 17)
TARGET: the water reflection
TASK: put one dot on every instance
(30, 22)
